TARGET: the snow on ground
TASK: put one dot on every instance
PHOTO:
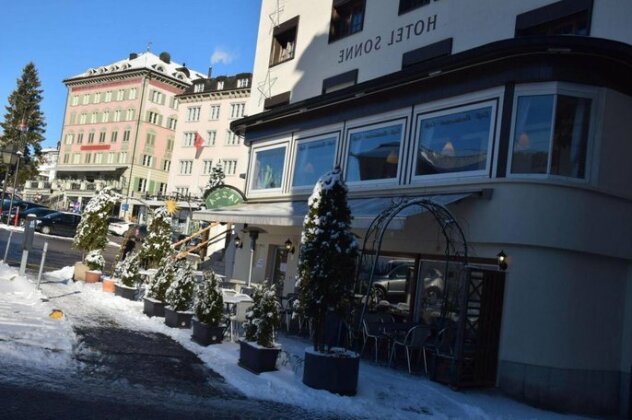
(382, 392)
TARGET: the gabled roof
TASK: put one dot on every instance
(146, 60)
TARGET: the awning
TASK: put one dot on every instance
(292, 213)
(89, 168)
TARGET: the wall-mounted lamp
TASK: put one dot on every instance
(238, 243)
(289, 246)
(502, 260)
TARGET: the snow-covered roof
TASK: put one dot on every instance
(146, 60)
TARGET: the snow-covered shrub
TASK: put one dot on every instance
(209, 303)
(94, 260)
(327, 255)
(157, 244)
(159, 283)
(129, 270)
(264, 317)
(93, 228)
(179, 295)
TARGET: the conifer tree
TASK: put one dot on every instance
(24, 124)
(157, 244)
(179, 295)
(93, 228)
(209, 303)
(160, 282)
(327, 256)
(263, 318)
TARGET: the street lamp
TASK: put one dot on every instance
(9, 157)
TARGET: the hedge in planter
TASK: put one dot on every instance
(128, 269)
(326, 271)
(179, 297)
(208, 325)
(258, 353)
(154, 300)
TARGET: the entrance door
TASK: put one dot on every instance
(279, 268)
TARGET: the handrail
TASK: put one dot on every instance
(185, 252)
(198, 233)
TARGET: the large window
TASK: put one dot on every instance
(284, 42)
(455, 140)
(185, 167)
(313, 159)
(347, 17)
(268, 169)
(214, 115)
(550, 135)
(193, 113)
(374, 152)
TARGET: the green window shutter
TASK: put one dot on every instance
(136, 182)
(152, 187)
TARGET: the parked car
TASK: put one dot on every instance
(392, 285)
(59, 223)
(118, 226)
(37, 211)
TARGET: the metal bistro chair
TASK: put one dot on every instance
(443, 345)
(372, 331)
(414, 340)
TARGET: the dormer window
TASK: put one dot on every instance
(284, 42)
(242, 83)
(198, 87)
(220, 85)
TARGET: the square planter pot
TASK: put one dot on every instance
(93, 276)
(153, 307)
(125, 292)
(175, 319)
(257, 359)
(334, 373)
(205, 334)
(109, 285)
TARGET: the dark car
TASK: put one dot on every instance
(22, 214)
(63, 224)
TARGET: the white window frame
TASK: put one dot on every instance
(230, 167)
(262, 148)
(193, 113)
(436, 110)
(310, 139)
(555, 89)
(211, 138)
(214, 116)
(75, 100)
(108, 96)
(189, 139)
(185, 167)
(372, 123)
(207, 167)
(237, 110)
(132, 93)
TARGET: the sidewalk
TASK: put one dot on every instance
(382, 392)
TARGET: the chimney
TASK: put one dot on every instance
(133, 56)
(165, 57)
(210, 72)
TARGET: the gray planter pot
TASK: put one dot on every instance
(334, 374)
(175, 319)
(257, 359)
(153, 307)
(205, 334)
(125, 292)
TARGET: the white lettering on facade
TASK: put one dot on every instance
(395, 36)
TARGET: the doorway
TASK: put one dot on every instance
(278, 256)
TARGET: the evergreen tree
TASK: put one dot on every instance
(327, 255)
(157, 244)
(263, 318)
(179, 295)
(93, 228)
(24, 124)
(209, 303)
(129, 270)
(160, 282)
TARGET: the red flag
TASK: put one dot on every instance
(198, 143)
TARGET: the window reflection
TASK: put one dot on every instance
(374, 154)
(268, 170)
(313, 159)
(455, 142)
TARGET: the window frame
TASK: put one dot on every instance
(277, 144)
(281, 39)
(556, 89)
(436, 110)
(311, 139)
(335, 10)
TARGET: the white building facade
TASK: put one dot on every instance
(514, 116)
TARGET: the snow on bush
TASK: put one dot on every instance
(263, 318)
(93, 228)
(327, 255)
(179, 295)
(129, 270)
(157, 244)
(209, 303)
(94, 260)
(159, 283)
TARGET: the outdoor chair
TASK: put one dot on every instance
(414, 340)
(372, 331)
(442, 345)
(236, 321)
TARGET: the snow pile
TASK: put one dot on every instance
(28, 334)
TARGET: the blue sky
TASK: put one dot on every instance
(66, 37)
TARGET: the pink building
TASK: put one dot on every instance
(119, 129)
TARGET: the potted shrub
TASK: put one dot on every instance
(258, 352)
(91, 234)
(127, 286)
(157, 243)
(154, 300)
(179, 297)
(95, 262)
(208, 325)
(326, 270)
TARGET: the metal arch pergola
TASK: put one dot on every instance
(455, 247)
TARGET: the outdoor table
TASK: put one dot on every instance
(232, 299)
